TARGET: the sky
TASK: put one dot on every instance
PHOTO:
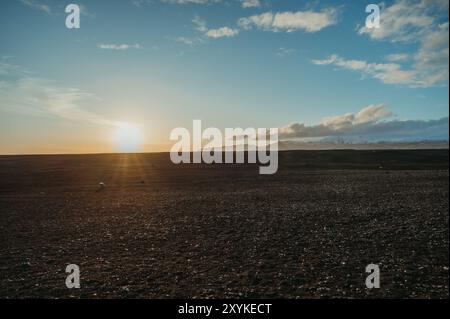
(310, 68)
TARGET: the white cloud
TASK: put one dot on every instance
(35, 96)
(222, 32)
(369, 114)
(200, 24)
(406, 20)
(7, 68)
(421, 22)
(250, 3)
(431, 60)
(372, 121)
(309, 21)
(44, 7)
(185, 40)
(372, 113)
(35, 4)
(282, 52)
(389, 73)
(398, 57)
(119, 47)
(400, 22)
(140, 3)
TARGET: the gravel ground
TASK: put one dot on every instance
(158, 230)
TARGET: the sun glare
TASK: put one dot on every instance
(127, 137)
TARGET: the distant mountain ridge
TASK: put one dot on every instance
(296, 145)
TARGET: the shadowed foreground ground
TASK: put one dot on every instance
(160, 230)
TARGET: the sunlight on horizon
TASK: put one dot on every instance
(127, 137)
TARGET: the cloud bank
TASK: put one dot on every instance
(371, 123)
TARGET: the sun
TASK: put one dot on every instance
(127, 137)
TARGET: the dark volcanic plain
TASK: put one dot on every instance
(160, 230)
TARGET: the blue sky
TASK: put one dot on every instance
(302, 66)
